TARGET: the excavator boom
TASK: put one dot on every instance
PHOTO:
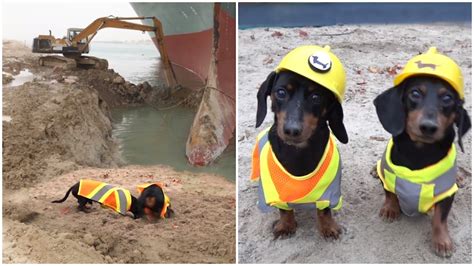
(111, 22)
(79, 43)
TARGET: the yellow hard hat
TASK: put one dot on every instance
(317, 64)
(435, 64)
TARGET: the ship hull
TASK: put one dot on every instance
(200, 42)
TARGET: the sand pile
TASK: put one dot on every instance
(372, 55)
(53, 128)
(111, 87)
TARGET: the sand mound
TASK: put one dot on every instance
(54, 128)
(202, 230)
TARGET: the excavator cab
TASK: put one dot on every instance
(81, 45)
(73, 32)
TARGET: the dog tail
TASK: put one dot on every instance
(65, 197)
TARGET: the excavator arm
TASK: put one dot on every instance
(111, 22)
(75, 47)
(90, 31)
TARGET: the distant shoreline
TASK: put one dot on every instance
(28, 42)
(133, 41)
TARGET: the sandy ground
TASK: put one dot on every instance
(202, 230)
(366, 238)
(56, 130)
(53, 129)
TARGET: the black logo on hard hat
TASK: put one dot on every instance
(422, 65)
(320, 62)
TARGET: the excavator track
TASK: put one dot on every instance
(87, 62)
(57, 61)
(91, 62)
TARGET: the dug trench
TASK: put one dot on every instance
(57, 129)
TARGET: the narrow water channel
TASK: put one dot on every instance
(151, 137)
(148, 136)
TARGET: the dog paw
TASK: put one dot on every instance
(443, 245)
(84, 209)
(373, 172)
(330, 229)
(283, 228)
(389, 213)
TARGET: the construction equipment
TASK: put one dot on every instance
(77, 41)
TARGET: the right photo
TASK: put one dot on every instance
(354, 133)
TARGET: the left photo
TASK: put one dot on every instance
(118, 125)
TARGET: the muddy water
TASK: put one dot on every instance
(150, 137)
(139, 62)
(22, 77)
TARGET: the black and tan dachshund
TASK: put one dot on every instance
(298, 137)
(150, 202)
(420, 114)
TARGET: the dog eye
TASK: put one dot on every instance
(315, 98)
(415, 94)
(281, 94)
(447, 99)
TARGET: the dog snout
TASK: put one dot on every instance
(428, 123)
(292, 129)
(428, 127)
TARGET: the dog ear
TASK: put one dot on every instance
(390, 110)
(141, 202)
(463, 123)
(264, 91)
(335, 119)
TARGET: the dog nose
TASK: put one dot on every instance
(428, 127)
(292, 130)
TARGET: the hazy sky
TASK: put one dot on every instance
(24, 20)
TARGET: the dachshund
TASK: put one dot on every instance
(152, 201)
(303, 113)
(420, 114)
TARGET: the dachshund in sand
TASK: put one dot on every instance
(152, 200)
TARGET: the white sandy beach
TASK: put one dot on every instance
(366, 238)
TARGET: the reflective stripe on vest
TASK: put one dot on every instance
(419, 190)
(118, 199)
(278, 188)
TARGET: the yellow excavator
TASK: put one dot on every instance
(77, 41)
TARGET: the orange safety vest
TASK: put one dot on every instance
(166, 204)
(116, 198)
(278, 188)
